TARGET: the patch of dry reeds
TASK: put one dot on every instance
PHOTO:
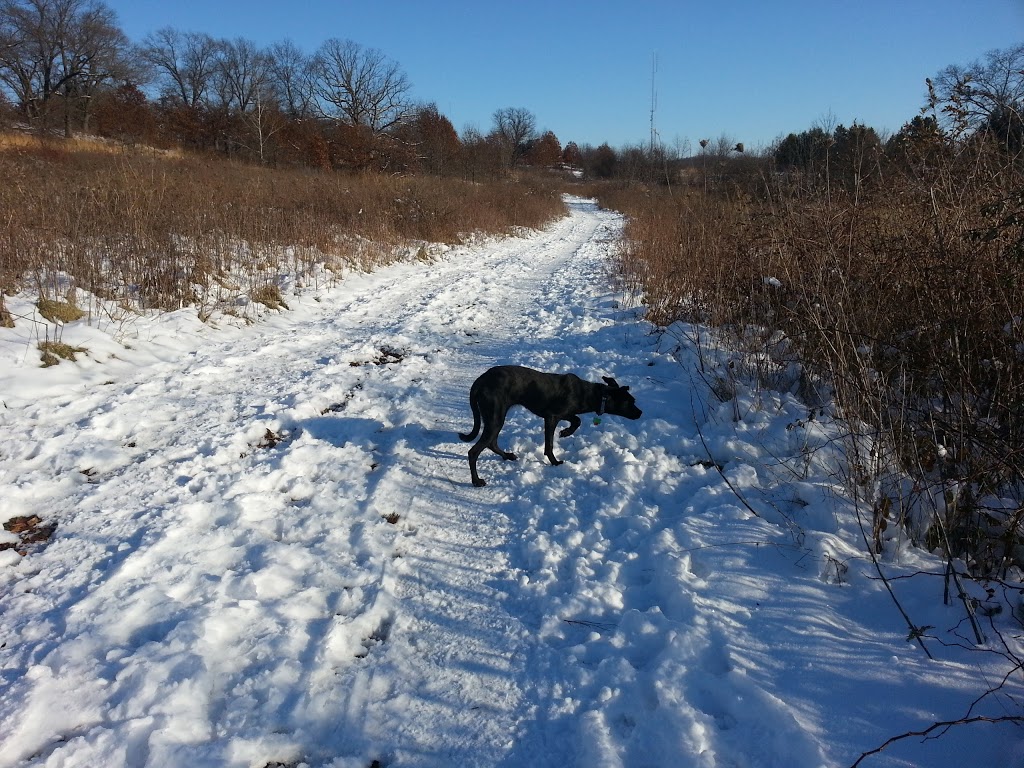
(148, 228)
(905, 293)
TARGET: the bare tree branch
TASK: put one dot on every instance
(360, 85)
(58, 48)
(934, 727)
(186, 62)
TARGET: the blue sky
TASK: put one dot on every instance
(753, 71)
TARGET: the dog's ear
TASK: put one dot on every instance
(610, 381)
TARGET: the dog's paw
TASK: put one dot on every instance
(479, 482)
(509, 457)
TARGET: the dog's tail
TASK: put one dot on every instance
(476, 416)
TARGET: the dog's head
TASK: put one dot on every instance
(618, 401)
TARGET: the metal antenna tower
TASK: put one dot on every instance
(654, 98)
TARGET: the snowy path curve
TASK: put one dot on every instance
(268, 551)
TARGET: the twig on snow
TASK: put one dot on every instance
(934, 727)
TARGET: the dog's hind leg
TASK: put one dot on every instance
(489, 439)
(491, 431)
(474, 454)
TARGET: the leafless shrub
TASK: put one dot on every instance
(903, 290)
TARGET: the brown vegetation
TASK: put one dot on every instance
(895, 274)
(147, 229)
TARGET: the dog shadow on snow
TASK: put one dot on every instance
(340, 430)
(376, 449)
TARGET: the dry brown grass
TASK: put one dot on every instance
(35, 142)
(148, 228)
(52, 352)
(59, 311)
(907, 296)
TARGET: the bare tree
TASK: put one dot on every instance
(64, 49)
(987, 95)
(481, 155)
(185, 63)
(264, 120)
(291, 79)
(514, 127)
(360, 85)
(985, 87)
(241, 75)
(722, 146)
(243, 112)
(105, 57)
(28, 55)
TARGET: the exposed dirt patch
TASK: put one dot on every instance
(59, 311)
(269, 296)
(272, 439)
(386, 356)
(340, 406)
(379, 636)
(32, 533)
(52, 352)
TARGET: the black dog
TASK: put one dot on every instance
(552, 396)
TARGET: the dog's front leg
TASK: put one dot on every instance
(574, 424)
(550, 422)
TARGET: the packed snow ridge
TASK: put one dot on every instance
(268, 551)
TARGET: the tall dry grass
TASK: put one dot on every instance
(148, 228)
(905, 292)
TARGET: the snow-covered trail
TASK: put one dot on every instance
(269, 553)
(275, 540)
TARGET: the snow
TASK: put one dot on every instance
(268, 551)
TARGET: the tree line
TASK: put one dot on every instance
(981, 102)
(880, 277)
(65, 65)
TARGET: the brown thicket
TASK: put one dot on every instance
(895, 274)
